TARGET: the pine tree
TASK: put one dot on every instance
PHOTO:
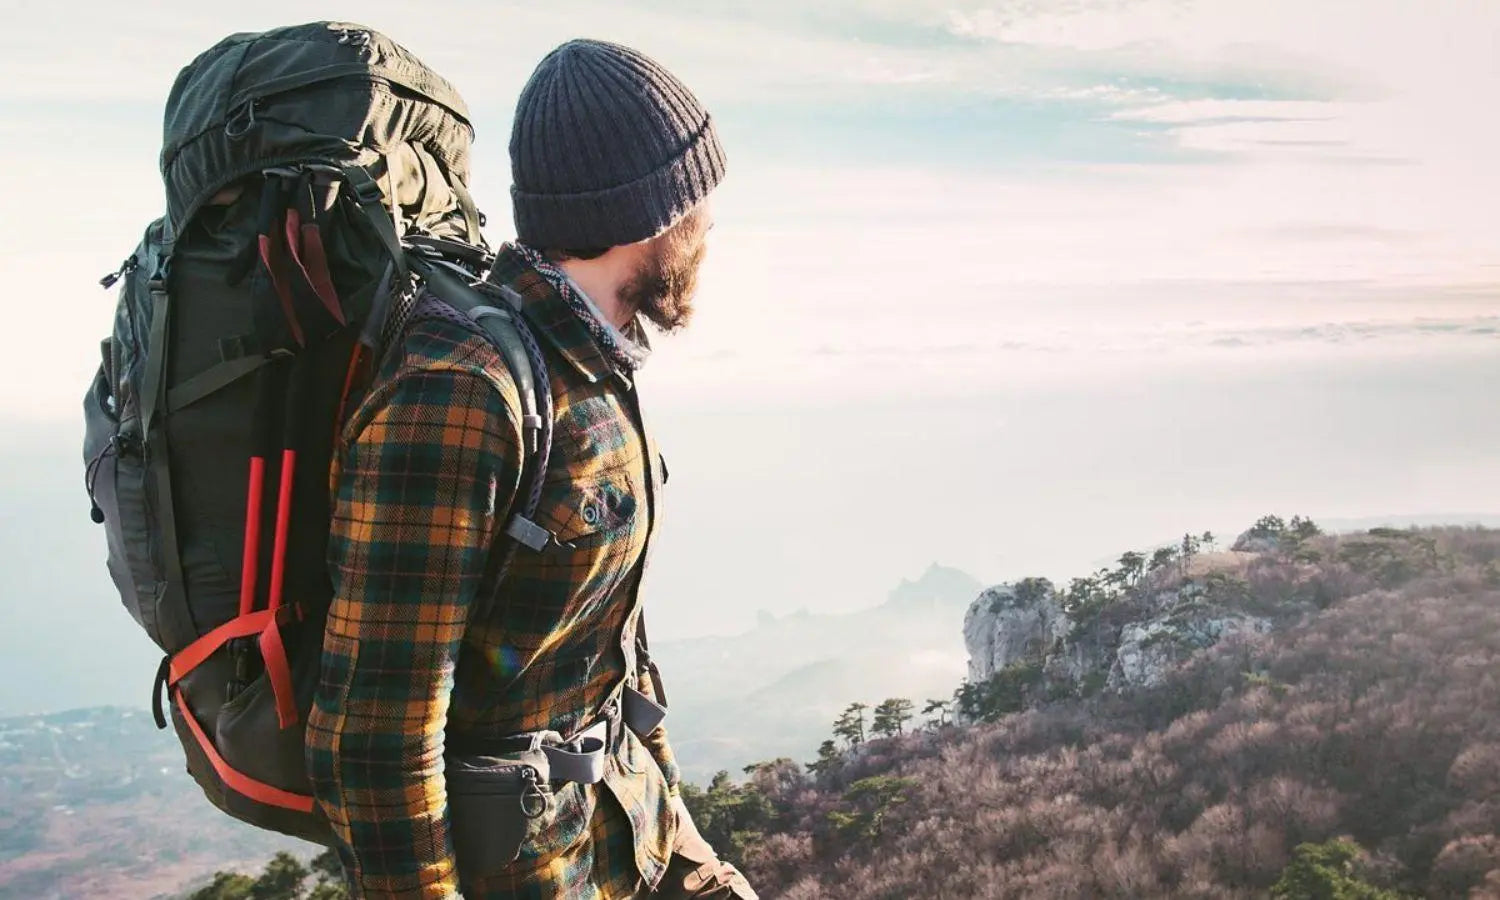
(891, 716)
(850, 725)
(1320, 871)
(1162, 558)
(225, 886)
(942, 708)
(282, 879)
(330, 873)
(828, 759)
(1185, 554)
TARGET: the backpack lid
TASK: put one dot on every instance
(210, 113)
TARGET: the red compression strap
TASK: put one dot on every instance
(356, 362)
(258, 791)
(283, 523)
(272, 261)
(293, 232)
(193, 655)
(314, 263)
(251, 561)
(279, 671)
(292, 228)
(356, 359)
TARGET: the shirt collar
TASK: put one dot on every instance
(551, 315)
(632, 339)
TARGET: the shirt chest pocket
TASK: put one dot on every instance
(595, 508)
(599, 525)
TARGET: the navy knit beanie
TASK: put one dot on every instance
(608, 148)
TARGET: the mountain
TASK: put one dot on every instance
(1350, 749)
(775, 690)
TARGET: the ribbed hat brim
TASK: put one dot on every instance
(627, 213)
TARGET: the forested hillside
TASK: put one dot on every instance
(1353, 752)
(1350, 752)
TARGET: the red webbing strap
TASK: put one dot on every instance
(356, 363)
(193, 655)
(251, 559)
(265, 623)
(270, 235)
(283, 525)
(279, 671)
(305, 239)
(237, 781)
(272, 261)
(313, 261)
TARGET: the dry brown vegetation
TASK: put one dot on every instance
(1376, 718)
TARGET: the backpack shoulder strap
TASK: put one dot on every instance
(643, 651)
(498, 318)
(495, 311)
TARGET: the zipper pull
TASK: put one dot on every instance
(129, 265)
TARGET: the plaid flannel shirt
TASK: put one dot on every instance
(427, 468)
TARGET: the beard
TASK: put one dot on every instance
(662, 289)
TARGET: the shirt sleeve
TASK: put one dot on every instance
(414, 516)
(656, 742)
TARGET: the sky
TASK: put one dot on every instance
(1012, 286)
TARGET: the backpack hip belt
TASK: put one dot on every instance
(581, 757)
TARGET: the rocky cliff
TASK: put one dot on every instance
(1129, 626)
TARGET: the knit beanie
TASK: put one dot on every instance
(608, 148)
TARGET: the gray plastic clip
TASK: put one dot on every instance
(528, 533)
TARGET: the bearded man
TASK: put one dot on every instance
(613, 161)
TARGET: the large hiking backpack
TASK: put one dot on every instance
(315, 183)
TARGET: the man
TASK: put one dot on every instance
(613, 161)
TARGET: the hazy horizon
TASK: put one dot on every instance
(1010, 287)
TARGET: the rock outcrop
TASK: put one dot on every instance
(1254, 542)
(1149, 650)
(1012, 623)
(1135, 640)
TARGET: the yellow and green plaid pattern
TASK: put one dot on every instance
(426, 473)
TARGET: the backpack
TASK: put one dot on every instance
(315, 179)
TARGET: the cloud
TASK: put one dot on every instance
(877, 360)
(1475, 332)
(1219, 111)
(976, 153)
(1343, 232)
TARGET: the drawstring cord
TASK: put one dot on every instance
(91, 476)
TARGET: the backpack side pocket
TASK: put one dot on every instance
(115, 476)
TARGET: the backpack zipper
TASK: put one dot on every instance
(246, 102)
(129, 265)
